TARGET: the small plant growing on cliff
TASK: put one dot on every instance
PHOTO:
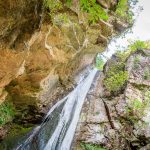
(138, 45)
(94, 10)
(53, 6)
(99, 63)
(116, 81)
(133, 47)
(123, 11)
(6, 112)
(136, 108)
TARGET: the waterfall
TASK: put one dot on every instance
(58, 128)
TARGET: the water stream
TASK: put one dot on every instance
(58, 128)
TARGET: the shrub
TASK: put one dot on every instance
(138, 45)
(94, 10)
(53, 6)
(99, 63)
(6, 112)
(116, 81)
(115, 68)
(133, 47)
(123, 11)
(91, 147)
(136, 108)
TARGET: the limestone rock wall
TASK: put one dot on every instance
(38, 59)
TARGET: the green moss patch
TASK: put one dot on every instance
(6, 112)
(16, 134)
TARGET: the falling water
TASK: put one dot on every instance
(57, 130)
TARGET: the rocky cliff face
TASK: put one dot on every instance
(119, 120)
(19, 19)
(39, 58)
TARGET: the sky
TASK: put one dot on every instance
(140, 29)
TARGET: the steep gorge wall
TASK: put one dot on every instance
(36, 63)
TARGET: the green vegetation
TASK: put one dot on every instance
(94, 10)
(14, 136)
(122, 8)
(138, 45)
(136, 108)
(6, 112)
(60, 19)
(123, 12)
(116, 76)
(99, 63)
(91, 147)
(53, 6)
(116, 81)
(69, 3)
(133, 47)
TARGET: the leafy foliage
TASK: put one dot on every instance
(91, 147)
(122, 8)
(68, 2)
(116, 76)
(133, 47)
(94, 10)
(6, 112)
(123, 12)
(99, 63)
(138, 45)
(53, 6)
(137, 107)
(116, 81)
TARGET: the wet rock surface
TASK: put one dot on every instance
(39, 60)
(122, 121)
